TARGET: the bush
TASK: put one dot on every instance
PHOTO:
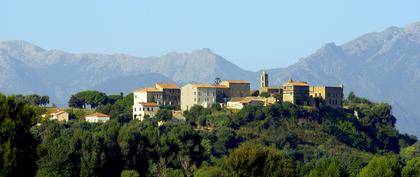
(129, 173)
(384, 166)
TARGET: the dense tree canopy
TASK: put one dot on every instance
(33, 99)
(280, 139)
(88, 97)
(17, 146)
(382, 166)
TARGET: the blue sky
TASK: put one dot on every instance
(252, 34)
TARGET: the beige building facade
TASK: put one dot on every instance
(141, 110)
(237, 88)
(171, 94)
(296, 92)
(332, 96)
(147, 95)
(198, 94)
(57, 114)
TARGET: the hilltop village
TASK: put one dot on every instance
(230, 94)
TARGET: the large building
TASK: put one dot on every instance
(332, 96)
(199, 94)
(150, 98)
(140, 110)
(147, 95)
(170, 94)
(296, 92)
(237, 88)
(264, 87)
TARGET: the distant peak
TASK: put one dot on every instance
(413, 27)
(24, 45)
(203, 50)
(330, 44)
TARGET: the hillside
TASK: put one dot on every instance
(382, 66)
(280, 139)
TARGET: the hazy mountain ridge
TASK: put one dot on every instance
(383, 66)
(62, 73)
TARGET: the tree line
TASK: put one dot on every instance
(282, 139)
(33, 99)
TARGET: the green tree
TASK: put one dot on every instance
(33, 99)
(412, 169)
(45, 100)
(327, 167)
(278, 97)
(381, 166)
(76, 102)
(88, 97)
(121, 110)
(225, 139)
(164, 115)
(256, 160)
(264, 94)
(129, 173)
(137, 141)
(17, 145)
(113, 98)
(213, 171)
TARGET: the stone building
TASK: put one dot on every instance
(264, 85)
(296, 92)
(199, 94)
(237, 88)
(141, 110)
(170, 94)
(57, 114)
(332, 96)
(148, 95)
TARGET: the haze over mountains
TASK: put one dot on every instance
(382, 66)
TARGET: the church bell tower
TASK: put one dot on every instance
(264, 79)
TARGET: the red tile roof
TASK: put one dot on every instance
(148, 89)
(237, 81)
(98, 115)
(167, 85)
(246, 99)
(150, 104)
(208, 86)
(57, 111)
(296, 84)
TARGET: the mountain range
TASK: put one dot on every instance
(382, 66)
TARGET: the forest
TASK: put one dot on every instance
(281, 139)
